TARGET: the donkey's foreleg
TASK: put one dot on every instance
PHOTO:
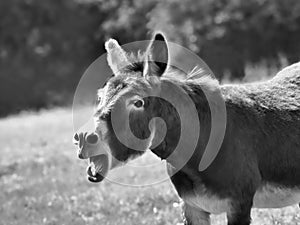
(192, 216)
(240, 213)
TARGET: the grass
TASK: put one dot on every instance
(43, 182)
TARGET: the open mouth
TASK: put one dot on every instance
(98, 168)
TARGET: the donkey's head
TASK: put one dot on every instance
(125, 108)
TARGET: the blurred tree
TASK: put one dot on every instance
(129, 20)
(227, 34)
(45, 45)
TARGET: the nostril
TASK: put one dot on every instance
(92, 138)
(76, 139)
(80, 156)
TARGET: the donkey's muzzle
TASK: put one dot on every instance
(87, 144)
(79, 139)
(91, 147)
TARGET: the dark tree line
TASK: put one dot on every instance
(45, 45)
(228, 34)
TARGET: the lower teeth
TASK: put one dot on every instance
(96, 169)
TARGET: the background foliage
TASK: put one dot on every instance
(45, 45)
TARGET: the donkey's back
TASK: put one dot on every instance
(281, 93)
(265, 118)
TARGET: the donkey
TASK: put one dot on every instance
(258, 162)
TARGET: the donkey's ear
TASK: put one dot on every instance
(157, 56)
(116, 56)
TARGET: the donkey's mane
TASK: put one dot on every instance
(136, 61)
(285, 85)
(197, 76)
(198, 83)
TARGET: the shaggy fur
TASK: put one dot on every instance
(261, 145)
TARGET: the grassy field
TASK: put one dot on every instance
(43, 182)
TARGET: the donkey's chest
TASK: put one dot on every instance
(204, 200)
(211, 204)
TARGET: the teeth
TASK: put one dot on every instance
(97, 164)
(96, 168)
(93, 170)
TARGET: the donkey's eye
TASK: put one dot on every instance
(139, 103)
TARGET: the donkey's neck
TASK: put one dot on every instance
(172, 119)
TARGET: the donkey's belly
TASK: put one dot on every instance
(270, 196)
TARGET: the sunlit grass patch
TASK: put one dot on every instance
(43, 182)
